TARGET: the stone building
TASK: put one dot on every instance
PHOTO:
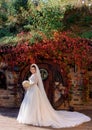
(55, 83)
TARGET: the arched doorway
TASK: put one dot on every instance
(46, 74)
(50, 75)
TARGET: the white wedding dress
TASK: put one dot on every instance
(36, 109)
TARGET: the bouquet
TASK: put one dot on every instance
(26, 84)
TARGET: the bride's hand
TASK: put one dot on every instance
(26, 84)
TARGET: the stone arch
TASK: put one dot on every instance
(54, 74)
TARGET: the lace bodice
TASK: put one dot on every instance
(33, 79)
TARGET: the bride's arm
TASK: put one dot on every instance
(33, 80)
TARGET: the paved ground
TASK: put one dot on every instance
(8, 122)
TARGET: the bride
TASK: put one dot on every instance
(37, 110)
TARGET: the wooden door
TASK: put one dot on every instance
(46, 71)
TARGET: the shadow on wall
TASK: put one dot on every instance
(3, 84)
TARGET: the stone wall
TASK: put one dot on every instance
(7, 98)
(12, 95)
(9, 95)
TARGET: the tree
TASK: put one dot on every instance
(18, 4)
(3, 12)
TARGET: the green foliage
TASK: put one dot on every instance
(4, 32)
(4, 6)
(3, 12)
(18, 4)
(9, 30)
(75, 15)
(54, 3)
(9, 39)
(3, 18)
(47, 20)
(11, 10)
(27, 27)
(87, 35)
(79, 21)
(87, 20)
(45, 16)
(36, 37)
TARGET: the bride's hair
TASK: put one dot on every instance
(33, 66)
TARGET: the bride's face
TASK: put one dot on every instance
(33, 70)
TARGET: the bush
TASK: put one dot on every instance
(47, 20)
(8, 30)
(87, 35)
(77, 15)
(3, 17)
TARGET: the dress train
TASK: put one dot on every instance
(35, 111)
